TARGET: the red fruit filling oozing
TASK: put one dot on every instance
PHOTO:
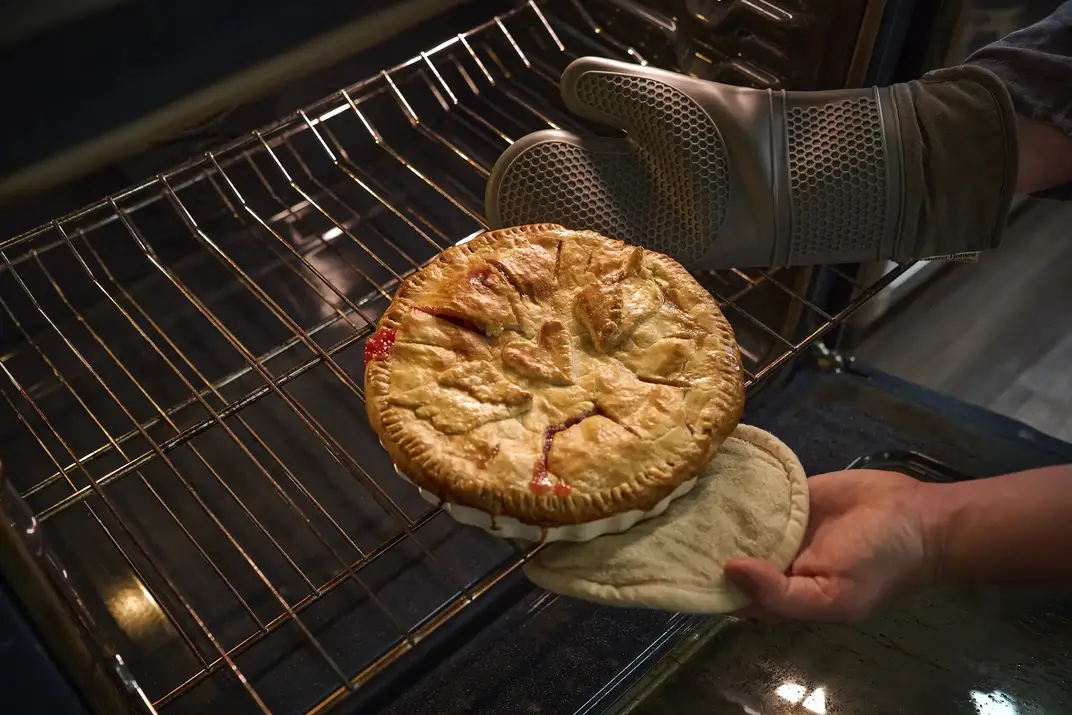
(379, 345)
(542, 482)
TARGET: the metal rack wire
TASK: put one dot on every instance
(181, 400)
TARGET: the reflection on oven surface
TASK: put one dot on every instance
(965, 651)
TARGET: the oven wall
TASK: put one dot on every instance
(102, 82)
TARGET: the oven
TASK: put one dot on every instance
(195, 516)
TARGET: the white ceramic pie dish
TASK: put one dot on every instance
(507, 527)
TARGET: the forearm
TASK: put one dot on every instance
(1045, 156)
(1012, 529)
(1035, 64)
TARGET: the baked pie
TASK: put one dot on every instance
(552, 376)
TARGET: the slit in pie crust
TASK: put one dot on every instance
(553, 376)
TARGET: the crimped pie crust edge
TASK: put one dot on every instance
(642, 493)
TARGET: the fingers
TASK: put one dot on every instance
(761, 582)
(596, 75)
(782, 596)
(595, 88)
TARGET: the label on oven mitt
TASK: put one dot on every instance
(968, 257)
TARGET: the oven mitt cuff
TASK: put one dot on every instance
(960, 156)
(750, 501)
(719, 176)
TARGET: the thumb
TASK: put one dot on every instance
(793, 597)
(759, 579)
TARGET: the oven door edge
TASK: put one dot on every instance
(39, 582)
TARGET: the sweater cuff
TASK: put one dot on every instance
(1035, 66)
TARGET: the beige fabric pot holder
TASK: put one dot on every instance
(751, 500)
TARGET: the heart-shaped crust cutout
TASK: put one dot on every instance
(550, 358)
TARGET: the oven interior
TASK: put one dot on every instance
(182, 420)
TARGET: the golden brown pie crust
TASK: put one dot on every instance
(553, 376)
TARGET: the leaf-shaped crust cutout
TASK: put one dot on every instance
(664, 362)
(611, 312)
(479, 295)
(549, 359)
(599, 308)
(530, 268)
(485, 383)
(426, 328)
(464, 397)
(614, 266)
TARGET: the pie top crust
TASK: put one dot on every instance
(553, 376)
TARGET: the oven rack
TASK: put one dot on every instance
(179, 365)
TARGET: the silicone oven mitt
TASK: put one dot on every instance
(720, 176)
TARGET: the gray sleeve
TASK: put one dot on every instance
(1035, 63)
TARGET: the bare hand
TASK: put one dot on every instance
(866, 540)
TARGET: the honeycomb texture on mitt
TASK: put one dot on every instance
(667, 190)
(837, 178)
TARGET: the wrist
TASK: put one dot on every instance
(1045, 156)
(934, 509)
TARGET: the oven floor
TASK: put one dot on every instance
(1013, 356)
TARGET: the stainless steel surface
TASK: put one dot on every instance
(181, 377)
(24, 20)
